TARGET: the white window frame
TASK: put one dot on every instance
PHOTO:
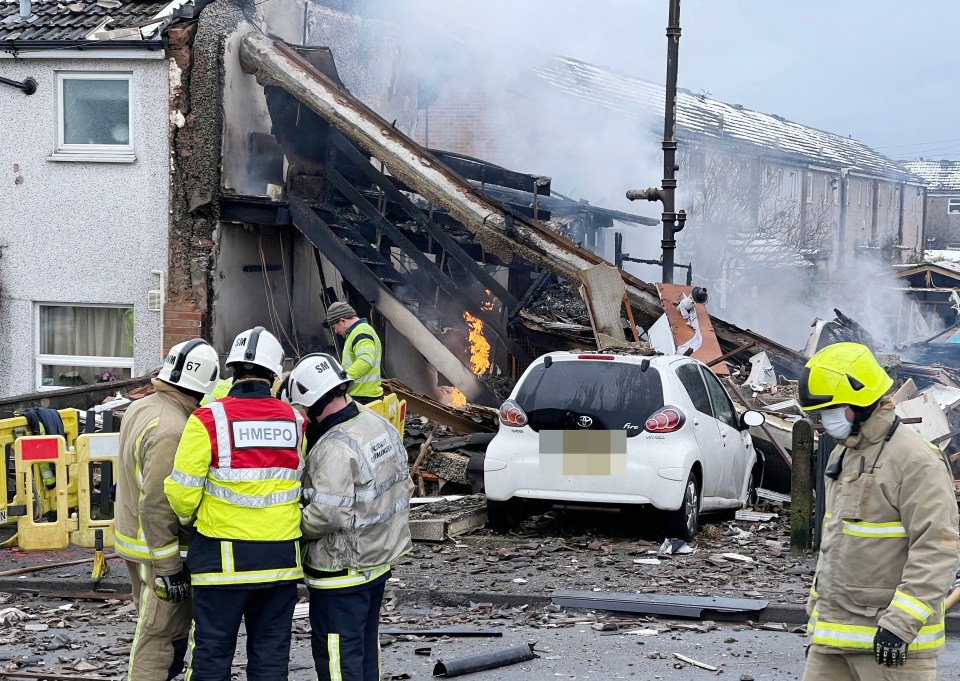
(793, 184)
(96, 153)
(42, 360)
(953, 205)
(809, 187)
(859, 192)
(779, 183)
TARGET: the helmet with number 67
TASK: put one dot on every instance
(192, 365)
(315, 377)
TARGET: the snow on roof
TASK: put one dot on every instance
(942, 177)
(702, 117)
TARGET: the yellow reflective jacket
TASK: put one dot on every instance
(362, 353)
(237, 472)
(888, 552)
(147, 530)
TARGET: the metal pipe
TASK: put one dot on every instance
(666, 193)
(29, 86)
(669, 185)
(24, 9)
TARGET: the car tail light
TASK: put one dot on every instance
(666, 420)
(594, 356)
(512, 415)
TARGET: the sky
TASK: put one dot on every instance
(882, 71)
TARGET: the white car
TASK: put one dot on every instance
(612, 429)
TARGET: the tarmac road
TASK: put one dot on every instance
(581, 653)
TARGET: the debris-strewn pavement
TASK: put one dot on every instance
(567, 550)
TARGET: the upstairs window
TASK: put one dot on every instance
(953, 206)
(94, 117)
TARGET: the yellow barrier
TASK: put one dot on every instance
(16, 427)
(29, 451)
(93, 448)
(392, 409)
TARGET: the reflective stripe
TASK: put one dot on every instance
(222, 429)
(299, 418)
(254, 474)
(251, 577)
(352, 578)
(185, 480)
(324, 499)
(861, 637)
(333, 657)
(383, 487)
(398, 506)
(812, 622)
(367, 378)
(138, 548)
(879, 530)
(144, 595)
(912, 606)
(351, 444)
(813, 592)
(226, 556)
(191, 646)
(250, 501)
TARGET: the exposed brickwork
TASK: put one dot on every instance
(195, 132)
(181, 321)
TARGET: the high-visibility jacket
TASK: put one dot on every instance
(356, 500)
(147, 530)
(888, 551)
(237, 471)
(362, 354)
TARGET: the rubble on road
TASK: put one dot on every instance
(583, 552)
(447, 519)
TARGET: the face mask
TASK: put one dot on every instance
(835, 422)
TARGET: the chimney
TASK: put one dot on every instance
(24, 9)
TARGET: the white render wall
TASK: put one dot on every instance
(79, 232)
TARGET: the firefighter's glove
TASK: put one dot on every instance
(889, 649)
(172, 588)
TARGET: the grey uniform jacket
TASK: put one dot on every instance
(356, 496)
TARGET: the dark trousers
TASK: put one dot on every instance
(217, 612)
(345, 641)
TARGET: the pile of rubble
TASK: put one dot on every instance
(601, 552)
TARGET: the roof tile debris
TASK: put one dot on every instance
(52, 20)
(942, 177)
(702, 117)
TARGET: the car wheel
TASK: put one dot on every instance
(502, 516)
(751, 492)
(683, 522)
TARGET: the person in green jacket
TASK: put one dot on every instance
(362, 351)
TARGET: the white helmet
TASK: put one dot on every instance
(259, 347)
(315, 376)
(192, 365)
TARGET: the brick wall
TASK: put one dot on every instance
(182, 321)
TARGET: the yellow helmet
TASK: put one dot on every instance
(842, 373)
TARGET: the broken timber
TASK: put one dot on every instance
(274, 63)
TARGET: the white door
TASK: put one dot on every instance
(735, 455)
(705, 427)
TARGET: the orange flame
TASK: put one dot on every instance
(487, 306)
(479, 347)
(458, 399)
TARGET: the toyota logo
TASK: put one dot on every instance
(584, 421)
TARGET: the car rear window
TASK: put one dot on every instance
(614, 395)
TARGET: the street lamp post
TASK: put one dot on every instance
(666, 192)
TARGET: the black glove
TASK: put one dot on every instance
(889, 649)
(172, 588)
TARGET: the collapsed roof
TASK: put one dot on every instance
(355, 134)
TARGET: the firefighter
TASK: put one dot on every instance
(362, 351)
(237, 473)
(148, 535)
(356, 507)
(889, 547)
